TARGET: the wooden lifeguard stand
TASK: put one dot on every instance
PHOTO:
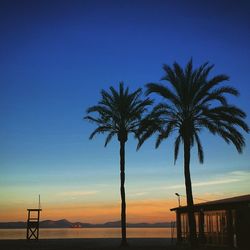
(33, 222)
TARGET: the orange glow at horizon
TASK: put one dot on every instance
(137, 211)
(143, 210)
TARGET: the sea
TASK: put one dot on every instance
(66, 233)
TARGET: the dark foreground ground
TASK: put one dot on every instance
(93, 244)
(82, 244)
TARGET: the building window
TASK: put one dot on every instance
(215, 227)
(184, 226)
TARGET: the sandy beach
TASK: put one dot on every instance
(75, 244)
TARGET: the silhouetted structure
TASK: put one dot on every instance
(222, 222)
(33, 223)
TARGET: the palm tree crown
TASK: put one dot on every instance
(118, 113)
(193, 102)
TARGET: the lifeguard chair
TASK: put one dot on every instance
(33, 222)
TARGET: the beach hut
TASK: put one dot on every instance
(223, 222)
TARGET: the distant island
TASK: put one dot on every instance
(67, 224)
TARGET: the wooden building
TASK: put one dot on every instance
(220, 223)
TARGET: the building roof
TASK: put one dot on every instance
(219, 204)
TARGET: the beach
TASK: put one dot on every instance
(75, 244)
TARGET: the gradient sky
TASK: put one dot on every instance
(56, 56)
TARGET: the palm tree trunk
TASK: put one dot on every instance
(188, 184)
(122, 189)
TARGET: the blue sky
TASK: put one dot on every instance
(56, 56)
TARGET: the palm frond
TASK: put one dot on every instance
(109, 137)
(162, 91)
(99, 130)
(176, 148)
(200, 148)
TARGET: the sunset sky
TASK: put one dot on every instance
(56, 56)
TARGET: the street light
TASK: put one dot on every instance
(179, 198)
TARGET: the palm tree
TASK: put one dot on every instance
(119, 113)
(193, 102)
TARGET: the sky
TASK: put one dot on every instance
(56, 56)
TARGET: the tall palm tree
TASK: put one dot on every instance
(193, 102)
(119, 113)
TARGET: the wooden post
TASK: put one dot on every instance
(201, 227)
(178, 226)
(229, 228)
(33, 224)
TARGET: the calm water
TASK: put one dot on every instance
(59, 233)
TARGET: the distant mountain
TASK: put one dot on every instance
(67, 224)
(55, 224)
(18, 224)
(137, 225)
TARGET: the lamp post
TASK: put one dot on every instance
(179, 199)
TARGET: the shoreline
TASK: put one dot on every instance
(86, 233)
